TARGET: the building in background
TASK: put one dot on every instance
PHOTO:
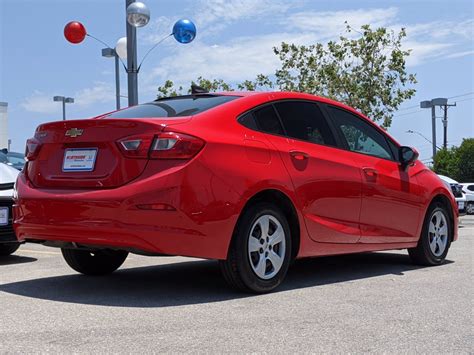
(3, 125)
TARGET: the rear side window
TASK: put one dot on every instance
(305, 121)
(360, 136)
(268, 121)
(173, 107)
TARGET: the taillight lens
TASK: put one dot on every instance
(136, 146)
(166, 145)
(171, 145)
(32, 149)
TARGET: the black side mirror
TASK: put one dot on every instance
(407, 155)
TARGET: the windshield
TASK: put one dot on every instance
(174, 106)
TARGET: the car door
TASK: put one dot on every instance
(391, 203)
(327, 184)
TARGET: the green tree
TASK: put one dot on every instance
(366, 71)
(456, 162)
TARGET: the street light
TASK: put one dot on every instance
(138, 15)
(64, 100)
(111, 53)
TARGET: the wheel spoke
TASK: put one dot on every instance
(254, 244)
(275, 259)
(261, 267)
(264, 223)
(441, 245)
(277, 237)
(432, 229)
(433, 245)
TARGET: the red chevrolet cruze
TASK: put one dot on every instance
(254, 180)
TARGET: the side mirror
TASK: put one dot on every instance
(407, 155)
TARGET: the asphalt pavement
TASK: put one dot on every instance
(373, 302)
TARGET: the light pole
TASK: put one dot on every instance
(138, 15)
(109, 53)
(64, 100)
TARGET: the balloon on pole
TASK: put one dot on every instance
(184, 31)
(121, 48)
(138, 14)
(75, 32)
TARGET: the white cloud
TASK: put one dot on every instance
(41, 102)
(332, 23)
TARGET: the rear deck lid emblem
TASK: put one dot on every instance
(74, 132)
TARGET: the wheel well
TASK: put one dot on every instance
(445, 202)
(283, 202)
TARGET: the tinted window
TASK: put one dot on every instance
(360, 136)
(248, 121)
(173, 107)
(3, 158)
(268, 121)
(470, 187)
(305, 121)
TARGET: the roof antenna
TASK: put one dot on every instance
(196, 89)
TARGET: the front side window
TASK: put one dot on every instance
(360, 136)
(173, 107)
(305, 121)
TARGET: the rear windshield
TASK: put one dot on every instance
(173, 107)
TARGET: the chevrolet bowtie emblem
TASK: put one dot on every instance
(74, 132)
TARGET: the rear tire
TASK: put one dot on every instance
(435, 238)
(260, 251)
(98, 262)
(8, 248)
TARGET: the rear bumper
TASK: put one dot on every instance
(198, 225)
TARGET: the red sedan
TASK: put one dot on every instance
(251, 179)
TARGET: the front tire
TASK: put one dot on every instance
(260, 251)
(435, 239)
(8, 248)
(97, 262)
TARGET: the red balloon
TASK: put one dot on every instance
(75, 32)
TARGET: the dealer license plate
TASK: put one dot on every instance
(79, 159)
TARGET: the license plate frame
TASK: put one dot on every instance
(86, 164)
(4, 216)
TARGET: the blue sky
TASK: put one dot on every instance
(234, 42)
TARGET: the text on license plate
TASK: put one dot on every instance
(79, 159)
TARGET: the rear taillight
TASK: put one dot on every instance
(32, 149)
(167, 145)
(170, 145)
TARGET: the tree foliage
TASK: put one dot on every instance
(364, 69)
(456, 162)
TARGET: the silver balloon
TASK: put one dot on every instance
(138, 14)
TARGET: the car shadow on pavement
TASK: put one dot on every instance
(15, 259)
(196, 282)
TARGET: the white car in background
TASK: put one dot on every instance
(468, 189)
(458, 193)
(8, 241)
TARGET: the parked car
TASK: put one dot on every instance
(254, 180)
(17, 160)
(468, 189)
(8, 241)
(458, 193)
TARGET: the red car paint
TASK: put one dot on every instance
(345, 201)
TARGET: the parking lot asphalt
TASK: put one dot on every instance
(373, 302)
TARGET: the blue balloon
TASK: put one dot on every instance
(184, 31)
